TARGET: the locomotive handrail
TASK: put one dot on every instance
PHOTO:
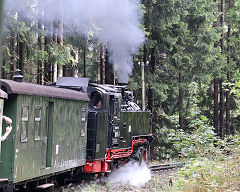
(8, 128)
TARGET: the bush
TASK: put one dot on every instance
(200, 142)
(221, 173)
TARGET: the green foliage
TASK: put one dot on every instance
(220, 173)
(197, 143)
(234, 88)
(60, 54)
(198, 140)
(164, 146)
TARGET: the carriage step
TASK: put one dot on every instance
(3, 180)
(45, 186)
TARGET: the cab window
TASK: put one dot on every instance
(96, 99)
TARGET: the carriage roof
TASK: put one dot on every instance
(13, 87)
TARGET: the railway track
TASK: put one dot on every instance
(166, 166)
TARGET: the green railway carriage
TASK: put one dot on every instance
(49, 132)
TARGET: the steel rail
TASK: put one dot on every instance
(160, 167)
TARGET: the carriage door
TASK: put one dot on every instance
(50, 113)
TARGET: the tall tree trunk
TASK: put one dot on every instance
(74, 68)
(151, 100)
(97, 63)
(17, 51)
(5, 42)
(13, 65)
(3, 61)
(84, 58)
(216, 117)
(180, 81)
(21, 54)
(228, 100)
(47, 64)
(102, 63)
(55, 65)
(40, 69)
(152, 70)
(228, 96)
(60, 39)
(143, 77)
(222, 24)
(47, 40)
(221, 115)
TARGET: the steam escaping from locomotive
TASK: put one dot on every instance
(132, 173)
(115, 23)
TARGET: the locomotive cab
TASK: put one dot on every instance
(103, 120)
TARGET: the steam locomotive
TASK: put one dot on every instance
(68, 129)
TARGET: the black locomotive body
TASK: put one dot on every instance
(116, 128)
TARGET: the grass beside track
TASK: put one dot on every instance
(218, 173)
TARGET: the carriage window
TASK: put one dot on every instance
(84, 114)
(37, 122)
(24, 123)
(83, 119)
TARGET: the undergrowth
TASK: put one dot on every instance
(212, 164)
(219, 172)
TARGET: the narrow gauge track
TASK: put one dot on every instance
(167, 166)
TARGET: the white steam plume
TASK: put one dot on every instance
(132, 173)
(115, 23)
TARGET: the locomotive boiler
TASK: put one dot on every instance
(68, 129)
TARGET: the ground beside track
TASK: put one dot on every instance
(160, 181)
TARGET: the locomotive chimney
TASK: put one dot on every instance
(18, 77)
(123, 87)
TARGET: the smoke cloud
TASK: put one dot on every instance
(132, 173)
(114, 22)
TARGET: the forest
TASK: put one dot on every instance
(185, 71)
